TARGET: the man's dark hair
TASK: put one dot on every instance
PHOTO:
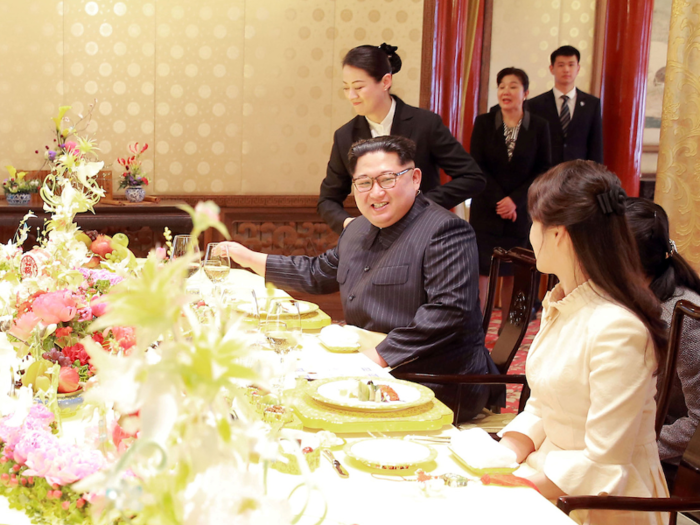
(522, 76)
(565, 51)
(404, 148)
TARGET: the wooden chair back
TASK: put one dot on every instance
(526, 280)
(682, 310)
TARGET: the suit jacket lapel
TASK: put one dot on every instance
(580, 107)
(402, 120)
(552, 108)
(360, 130)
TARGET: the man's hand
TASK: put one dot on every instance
(374, 356)
(506, 209)
(347, 221)
(243, 256)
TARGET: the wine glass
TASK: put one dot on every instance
(281, 339)
(181, 246)
(217, 265)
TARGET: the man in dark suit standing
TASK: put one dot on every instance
(407, 267)
(574, 117)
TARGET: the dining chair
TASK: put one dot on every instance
(526, 280)
(682, 309)
(685, 495)
(525, 288)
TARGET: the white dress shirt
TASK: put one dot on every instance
(571, 102)
(384, 127)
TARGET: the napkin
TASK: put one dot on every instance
(480, 451)
(337, 336)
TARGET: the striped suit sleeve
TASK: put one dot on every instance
(315, 275)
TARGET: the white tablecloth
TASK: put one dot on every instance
(365, 500)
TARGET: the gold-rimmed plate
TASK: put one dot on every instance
(335, 392)
(390, 453)
(287, 311)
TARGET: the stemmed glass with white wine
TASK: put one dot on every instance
(182, 244)
(282, 331)
(217, 264)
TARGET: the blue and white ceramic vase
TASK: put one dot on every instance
(18, 199)
(135, 193)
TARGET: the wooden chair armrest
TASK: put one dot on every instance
(568, 504)
(456, 379)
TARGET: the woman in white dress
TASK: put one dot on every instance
(588, 427)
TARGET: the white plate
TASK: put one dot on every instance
(333, 392)
(390, 453)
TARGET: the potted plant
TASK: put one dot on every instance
(18, 190)
(133, 179)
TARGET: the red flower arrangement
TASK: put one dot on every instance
(133, 176)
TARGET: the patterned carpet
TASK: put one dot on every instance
(518, 364)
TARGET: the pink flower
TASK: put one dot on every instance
(55, 307)
(125, 336)
(24, 325)
(85, 313)
(161, 253)
(208, 210)
(99, 306)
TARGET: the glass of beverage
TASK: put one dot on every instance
(281, 339)
(217, 265)
(182, 245)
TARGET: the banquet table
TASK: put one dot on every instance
(367, 496)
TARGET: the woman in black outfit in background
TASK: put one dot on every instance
(512, 148)
(367, 78)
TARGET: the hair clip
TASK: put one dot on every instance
(673, 249)
(388, 49)
(612, 201)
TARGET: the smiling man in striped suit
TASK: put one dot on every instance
(407, 268)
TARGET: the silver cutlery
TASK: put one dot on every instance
(339, 469)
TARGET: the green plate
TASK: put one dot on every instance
(390, 453)
(330, 392)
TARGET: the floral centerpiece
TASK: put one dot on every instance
(17, 188)
(133, 179)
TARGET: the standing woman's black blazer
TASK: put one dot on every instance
(436, 149)
(531, 157)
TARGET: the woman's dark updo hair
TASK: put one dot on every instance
(522, 76)
(588, 201)
(660, 261)
(376, 61)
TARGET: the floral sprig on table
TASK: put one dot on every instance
(36, 467)
(133, 175)
(71, 187)
(16, 183)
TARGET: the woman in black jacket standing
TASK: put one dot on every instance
(512, 147)
(367, 78)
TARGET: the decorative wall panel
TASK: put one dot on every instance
(526, 33)
(233, 96)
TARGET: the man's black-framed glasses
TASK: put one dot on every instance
(386, 180)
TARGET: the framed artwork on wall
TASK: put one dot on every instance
(657, 74)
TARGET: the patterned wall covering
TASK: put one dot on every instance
(234, 96)
(526, 33)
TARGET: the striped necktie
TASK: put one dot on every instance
(565, 116)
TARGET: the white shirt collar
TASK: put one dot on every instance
(384, 127)
(558, 94)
